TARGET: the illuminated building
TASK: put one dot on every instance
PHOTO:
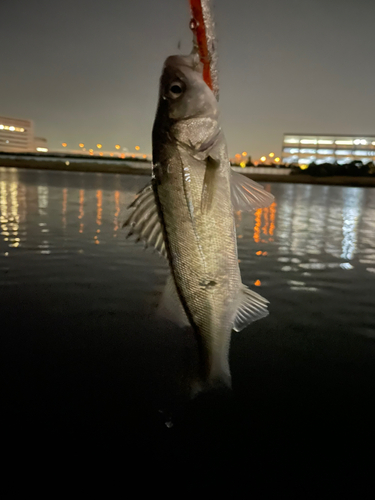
(322, 148)
(16, 135)
(40, 144)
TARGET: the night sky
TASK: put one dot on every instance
(88, 70)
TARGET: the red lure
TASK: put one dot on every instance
(199, 28)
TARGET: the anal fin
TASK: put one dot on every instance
(252, 307)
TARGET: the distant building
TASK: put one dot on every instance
(40, 144)
(321, 148)
(16, 135)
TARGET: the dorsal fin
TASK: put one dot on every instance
(144, 221)
(251, 308)
(248, 195)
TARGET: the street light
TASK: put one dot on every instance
(117, 146)
(64, 144)
(99, 146)
(277, 160)
(271, 155)
(81, 145)
(244, 153)
(137, 148)
(263, 158)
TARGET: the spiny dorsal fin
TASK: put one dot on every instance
(248, 195)
(251, 308)
(144, 221)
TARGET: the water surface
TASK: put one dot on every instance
(84, 348)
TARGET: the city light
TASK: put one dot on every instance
(11, 128)
(277, 160)
(343, 152)
(99, 146)
(81, 145)
(292, 151)
(64, 144)
(243, 164)
(303, 167)
(91, 150)
(117, 146)
(42, 150)
(244, 153)
(137, 148)
(308, 141)
(263, 158)
(331, 147)
(271, 155)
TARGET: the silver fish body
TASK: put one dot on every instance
(202, 252)
(193, 188)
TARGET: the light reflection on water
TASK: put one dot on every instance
(32, 208)
(308, 229)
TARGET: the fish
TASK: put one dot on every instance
(187, 212)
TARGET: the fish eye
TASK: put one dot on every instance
(175, 90)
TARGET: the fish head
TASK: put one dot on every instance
(184, 91)
(188, 114)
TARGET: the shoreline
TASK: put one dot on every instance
(134, 167)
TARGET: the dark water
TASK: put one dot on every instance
(89, 367)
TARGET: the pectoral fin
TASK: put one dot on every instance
(144, 221)
(209, 184)
(170, 306)
(248, 195)
(251, 308)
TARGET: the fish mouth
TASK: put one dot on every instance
(191, 61)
